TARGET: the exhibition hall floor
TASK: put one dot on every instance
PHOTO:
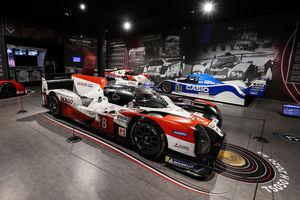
(37, 163)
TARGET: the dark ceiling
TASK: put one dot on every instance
(145, 15)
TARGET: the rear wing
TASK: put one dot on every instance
(57, 81)
(80, 84)
(87, 84)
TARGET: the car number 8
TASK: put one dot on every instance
(103, 122)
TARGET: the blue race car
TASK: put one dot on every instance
(206, 87)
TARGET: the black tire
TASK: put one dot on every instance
(149, 139)
(166, 87)
(7, 90)
(54, 105)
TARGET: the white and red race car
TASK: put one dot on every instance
(129, 75)
(185, 133)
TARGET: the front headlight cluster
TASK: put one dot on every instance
(202, 140)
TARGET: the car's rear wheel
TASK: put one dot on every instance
(166, 87)
(7, 90)
(148, 138)
(54, 105)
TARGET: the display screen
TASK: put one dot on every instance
(11, 60)
(25, 56)
(76, 59)
(20, 51)
(10, 57)
(32, 52)
(21, 60)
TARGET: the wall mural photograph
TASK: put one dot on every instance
(245, 55)
(157, 56)
(239, 52)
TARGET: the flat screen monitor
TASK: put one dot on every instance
(76, 59)
(32, 52)
(19, 51)
(25, 60)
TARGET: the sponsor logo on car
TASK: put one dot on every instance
(178, 88)
(179, 146)
(259, 83)
(132, 83)
(20, 92)
(180, 133)
(123, 118)
(198, 114)
(84, 84)
(219, 76)
(149, 84)
(209, 82)
(67, 100)
(180, 163)
(202, 121)
(197, 88)
(122, 131)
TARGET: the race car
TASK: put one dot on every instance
(161, 67)
(206, 87)
(246, 67)
(183, 135)
(230, 67)
(10, 89)
(129, 75)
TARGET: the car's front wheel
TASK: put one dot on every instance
(166, 87)
(54, 105)
(148, 138)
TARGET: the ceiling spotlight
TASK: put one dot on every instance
(67, 14)
(127, 25)
(82, 6)
(208, 7)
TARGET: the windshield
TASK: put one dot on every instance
(130, 73)
(148, 98)
(221, 61)
(156, 63)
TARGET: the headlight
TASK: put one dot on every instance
(202, 140)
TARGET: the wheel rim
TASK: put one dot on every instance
(53, 105)
(147, 139)
(167, 87)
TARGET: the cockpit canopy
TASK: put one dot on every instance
(140, 96)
